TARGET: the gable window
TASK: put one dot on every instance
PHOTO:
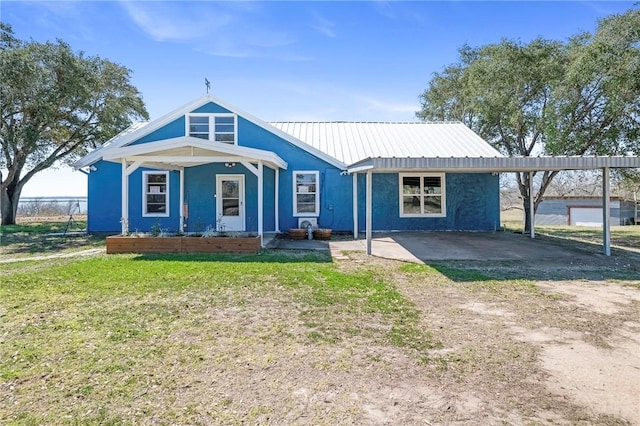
(215, 127)
(422, 195)
(199, 126)
(155, 192)
(306, 194)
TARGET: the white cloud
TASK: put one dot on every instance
(323, 25)
(234, 29)
(177, 21)
(385, 106)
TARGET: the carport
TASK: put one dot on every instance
(529, 165)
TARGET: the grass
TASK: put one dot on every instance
(79, 338)
(34, 238)
(228, 339)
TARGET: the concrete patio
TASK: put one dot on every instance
(420, 246)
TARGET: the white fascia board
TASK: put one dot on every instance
(187, 141)
(152, 126)
(358, 169)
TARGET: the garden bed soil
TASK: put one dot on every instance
(121, 244)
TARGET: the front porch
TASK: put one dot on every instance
(235, 166)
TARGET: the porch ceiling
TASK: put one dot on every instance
(189, 152)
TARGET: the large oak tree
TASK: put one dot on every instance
(56, 106)
(547, 97)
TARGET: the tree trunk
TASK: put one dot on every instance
(9, 198)
(527, 214)
(523, 184)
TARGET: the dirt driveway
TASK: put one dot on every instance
(542, 349)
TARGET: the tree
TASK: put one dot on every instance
(547, 97)
(56, 105)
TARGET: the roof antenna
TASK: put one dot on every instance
(206, 83)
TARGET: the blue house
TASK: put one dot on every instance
(209, 164)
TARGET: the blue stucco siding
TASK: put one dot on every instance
(104, 192)
(472, 204)
(211, 108)
(335, 189)
(175, 129)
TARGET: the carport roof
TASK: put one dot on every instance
(494, 164)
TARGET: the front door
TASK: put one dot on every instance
(230, 202)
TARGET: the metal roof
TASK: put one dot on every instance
(496, 164)
(350, 142)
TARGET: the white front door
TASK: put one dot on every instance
(230, 202)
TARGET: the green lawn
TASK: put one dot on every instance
(269, 338)
(35, 238)
(80, 338)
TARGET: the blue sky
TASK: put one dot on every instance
(301, 60)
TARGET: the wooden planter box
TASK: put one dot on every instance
(120, 244)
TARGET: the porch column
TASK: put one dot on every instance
(532, 232)
(355, 206)
(606, 212)
(277, 196)
(181, 229)
(124, 219)
(260, 200)
(368, 212)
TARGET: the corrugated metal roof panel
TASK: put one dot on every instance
(350, 142)
(496, 164)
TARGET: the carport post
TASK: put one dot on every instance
(260, 201)
(355, 206)
(368, 216)
(181, 226)
(125, 198)
(532, 232)
(606, 212)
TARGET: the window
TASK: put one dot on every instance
(422, 195)
(199, 127)
(155, 193)
(306, 194)
(224, 127)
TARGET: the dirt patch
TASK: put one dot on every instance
(547, 352)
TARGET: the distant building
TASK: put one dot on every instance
(583, 211)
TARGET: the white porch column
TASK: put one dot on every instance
(355, 206)
(606, 212)
(260, 200)
(181, 229)
(532, 232)
(277, 197)
(124, 220)
(368, 204)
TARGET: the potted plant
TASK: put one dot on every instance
(322, 234)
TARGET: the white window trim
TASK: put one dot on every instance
(421, 176)
(144, 194)
(315, 213)
(212, 124)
